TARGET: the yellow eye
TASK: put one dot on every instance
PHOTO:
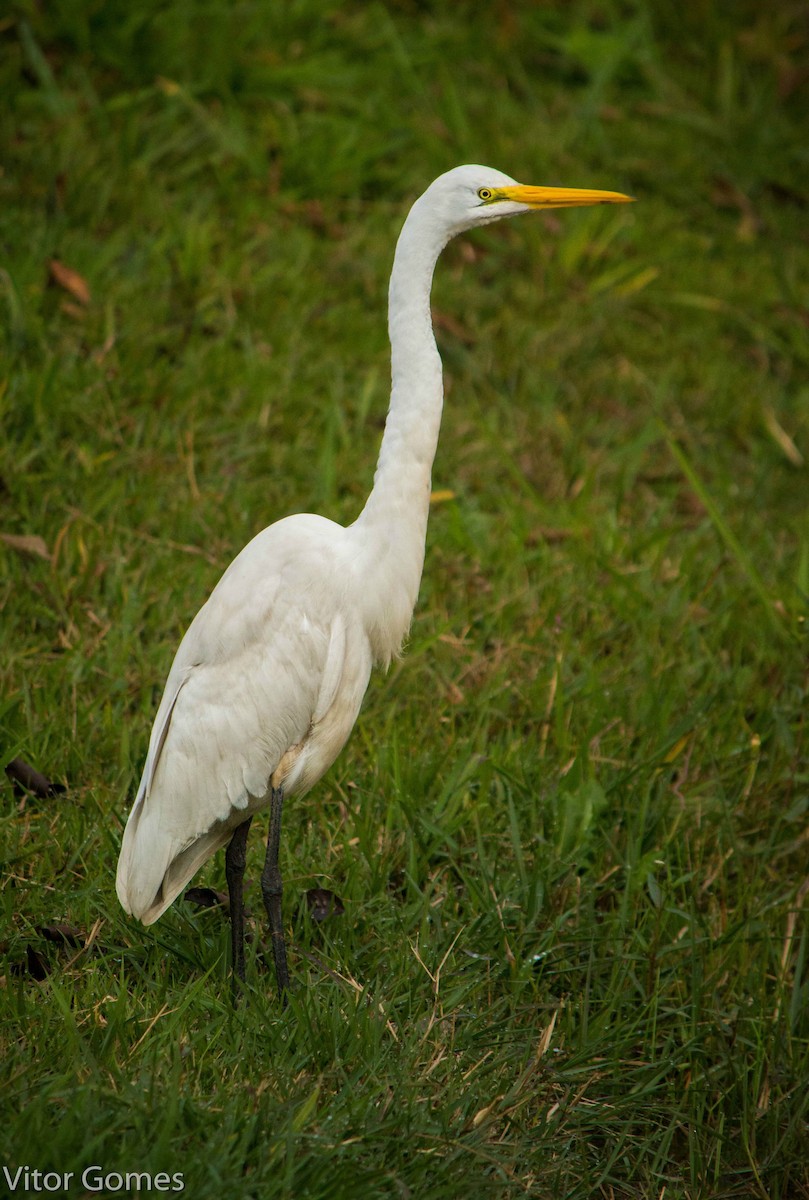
(485, 193)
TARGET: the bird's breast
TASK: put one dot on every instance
(344, 685)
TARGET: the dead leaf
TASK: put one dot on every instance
(62, 933)
(28, 779)
(323, 903)
(36, 965)
(205, 897)
(27, 543)
(70, 280)
(482, 1114)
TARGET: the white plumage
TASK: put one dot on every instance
(267, 683)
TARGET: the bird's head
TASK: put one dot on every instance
(468, 196)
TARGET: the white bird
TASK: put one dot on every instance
(268, 681)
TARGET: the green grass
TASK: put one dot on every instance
(570, 829)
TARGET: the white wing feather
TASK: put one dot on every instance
(269, 676)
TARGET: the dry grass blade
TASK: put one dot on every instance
(69, 280)
(27, 543)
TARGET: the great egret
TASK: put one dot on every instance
(267, 683)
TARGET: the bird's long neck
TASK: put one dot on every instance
(393, 524)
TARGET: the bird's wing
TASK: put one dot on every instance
(260, 663)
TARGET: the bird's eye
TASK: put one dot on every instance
(485, 193)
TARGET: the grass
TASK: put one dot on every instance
(570, 828)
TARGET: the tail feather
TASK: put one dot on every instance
(153, 870)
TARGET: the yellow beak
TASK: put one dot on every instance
(557, 197)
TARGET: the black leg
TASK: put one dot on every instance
(271, 888)
(234, 873)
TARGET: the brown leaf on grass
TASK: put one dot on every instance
(323, 903)
(205, 897)
(63, 934)
(68, 279)
(36, 965)
(27, 543)
(28, 779)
